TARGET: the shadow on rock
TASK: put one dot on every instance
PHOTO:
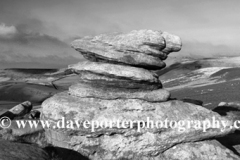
(193, 101)
(58, 153)
(224, 110)
(188, 100)
(231, 110)
(231, 141)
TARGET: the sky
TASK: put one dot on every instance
(38, 33)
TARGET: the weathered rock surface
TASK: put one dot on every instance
(118, 71)
(111, 74)
(119, 142)
(109, 93)
(146, 41)
(101, 52)
(118, 110)
(235, 104)
(205, 150)
(141, 48)
(18, 110)
(173, 43)
(18, 151)
(27, 134)
(117, 82)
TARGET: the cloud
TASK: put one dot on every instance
(20, 35)
(44, 28)
(23, 46)
(16, 61)
(7, 31)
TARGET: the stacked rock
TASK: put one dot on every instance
(117, 84)
(119, 65)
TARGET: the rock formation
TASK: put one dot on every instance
(18, 110)
(118, 84)
(25, 134)
(205, 150)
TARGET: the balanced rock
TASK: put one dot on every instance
(130, 142)
(141, 48)
(109, 93)
(108, 74)
(105, 53)
(205, 150)
(118, 109)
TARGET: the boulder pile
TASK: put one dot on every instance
(118, 84)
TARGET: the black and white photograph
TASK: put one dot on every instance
(119, 80)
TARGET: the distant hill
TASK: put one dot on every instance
(183, 66)
(210, 80)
